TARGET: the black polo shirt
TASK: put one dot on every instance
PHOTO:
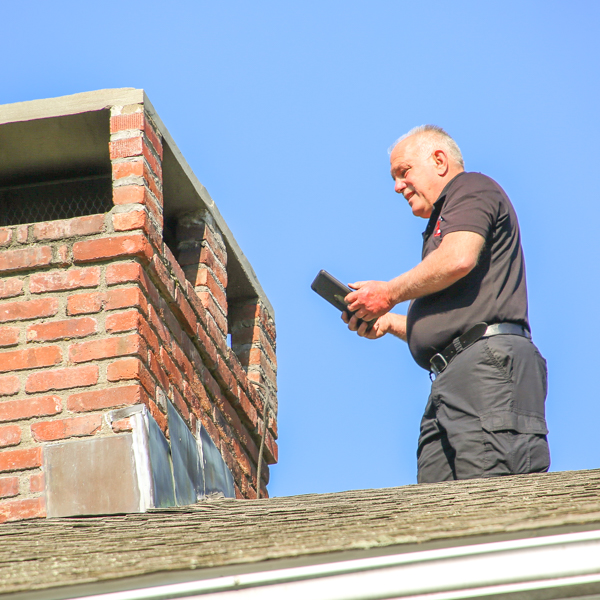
(495, 291)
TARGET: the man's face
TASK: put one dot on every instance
(415, 177)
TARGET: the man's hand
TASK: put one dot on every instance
(388, 323)
(371, 299)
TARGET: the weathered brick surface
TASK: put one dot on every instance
(25, 258)
(10, 435)
(60, 429)
(109, 398)
(64, 280)
(30, 358)
(9, 336)
(9, 385)
(9, 486)
(24, 310)
(62, 379)
(37, 483)
(19, 460)
(57, 330)
(17, 410)
(16, 510)
(54, 230)
(108, 348)
(11, 287)
(85, 304)
(112, 247)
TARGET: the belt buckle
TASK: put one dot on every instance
(438, 363)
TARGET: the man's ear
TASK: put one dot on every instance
(440, 161)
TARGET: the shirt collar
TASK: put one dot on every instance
(442, 196)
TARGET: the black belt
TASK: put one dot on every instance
(442, 359)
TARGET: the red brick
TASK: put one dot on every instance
(207, 280)
(54, 230)
(127, 121)
(10, 435)
(125, 321)
(126, 147)
(173, 265)
(49, 431)
(19, 460)
(139, 194)
(135, 219)
(218, 317)
(108, 348)
(130, 194)
(186, 315)
(16, 510)
(62, 256)
(159, 372)
(162, 276)
(37, 483)
(28, 309)
(30, 358)
(62, 379)
(59, 330)
(124, 272)
(84, 304)
(122, 425)
(9, 336)
(172, 371)
(131, 368)
(22, 233)
(9, 385)
(152, 159)
(25, 258)
(58, 281)
(15, 410)
(182, 407)
(9, 486)
(113, 247)
(128, 168)
(5, 236)
(207, 348)
(153, 137)
(11, 287)
(127, 272)
(126, 298)
(117, 396)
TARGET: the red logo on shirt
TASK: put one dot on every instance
(438, 230)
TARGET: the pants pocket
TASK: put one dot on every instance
(512, 453)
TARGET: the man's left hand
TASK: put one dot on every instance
(371, 299)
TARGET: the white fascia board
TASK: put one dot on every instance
(560, 563)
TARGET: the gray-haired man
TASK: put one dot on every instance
(467, 321)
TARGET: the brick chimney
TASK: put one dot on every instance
(137, 348)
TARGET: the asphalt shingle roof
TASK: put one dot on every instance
(58, 552)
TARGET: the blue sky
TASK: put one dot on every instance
(285, 112)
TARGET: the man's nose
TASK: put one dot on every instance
(399, 186)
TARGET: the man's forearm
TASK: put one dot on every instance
(438, 270)
(396, 325)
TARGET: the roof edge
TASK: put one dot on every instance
(73, 104)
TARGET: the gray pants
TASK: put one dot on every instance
(485, 414)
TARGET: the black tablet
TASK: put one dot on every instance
(332, 290)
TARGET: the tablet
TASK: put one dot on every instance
(332, 290)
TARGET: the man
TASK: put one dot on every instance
(467, 321)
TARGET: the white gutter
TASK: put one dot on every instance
(559, 562)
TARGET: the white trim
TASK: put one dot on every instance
(558, 561)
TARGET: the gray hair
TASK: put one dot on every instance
(430, 136)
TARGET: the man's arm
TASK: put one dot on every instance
(455, 257)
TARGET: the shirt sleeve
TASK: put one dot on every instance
(473, 206)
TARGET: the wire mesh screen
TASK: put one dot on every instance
(50, 201)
